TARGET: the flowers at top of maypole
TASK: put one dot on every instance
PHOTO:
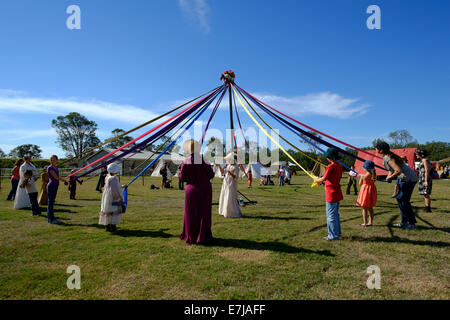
(228, 77)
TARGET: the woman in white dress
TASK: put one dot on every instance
(228, 204)
(22, 200)
(112, 198)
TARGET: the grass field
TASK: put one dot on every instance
(275, 251)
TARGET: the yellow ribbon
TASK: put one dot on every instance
(273, 140)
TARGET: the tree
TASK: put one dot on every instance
(437, 150)
(401, 139)
(2, 154)
(26, 149)
(164, 141)
(76, 133)
(120, 141)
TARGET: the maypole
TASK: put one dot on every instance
(228, 78)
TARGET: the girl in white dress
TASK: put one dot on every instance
(110, 214)
(228, 204)
(22, 200)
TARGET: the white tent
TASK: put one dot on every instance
(257, 169)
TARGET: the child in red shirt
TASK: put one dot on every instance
(333, 193)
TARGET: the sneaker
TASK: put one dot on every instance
(55, 221)
(400, 225)
(411, 226)
(328, 239)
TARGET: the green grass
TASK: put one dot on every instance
(275, 252)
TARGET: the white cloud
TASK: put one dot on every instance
(323, 103)
(22, 103)
(23, 134)
(197, 11)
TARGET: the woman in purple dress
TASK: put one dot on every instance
(198, 195)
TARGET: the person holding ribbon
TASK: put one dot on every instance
(333, 193)
(197, 174)
(228, 203)
(112, 199)
(406, 180)
(367, 198)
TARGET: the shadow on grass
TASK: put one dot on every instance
(350, 219)
(67, 205)
(255, 245)
(433, 227)
(63, 211)
(143, 233)
(396, 239)
(274, 218)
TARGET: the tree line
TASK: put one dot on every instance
(76, 134)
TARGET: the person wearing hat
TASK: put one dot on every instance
(52, 188)
(367, 198)
(228, 201)
(112, 199)
(425, 177)
(197, 174)
(333, 193)
(406, 180)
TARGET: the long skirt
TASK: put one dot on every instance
(197, 213)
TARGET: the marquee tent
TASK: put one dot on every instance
(408, 152)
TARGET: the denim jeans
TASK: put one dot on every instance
(34, 203)
(281, 181)
(405, 190)
(51, 194)
(12, 193)
(333, 220)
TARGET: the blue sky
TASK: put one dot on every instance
(315, 60)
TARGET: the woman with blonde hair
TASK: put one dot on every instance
(197, 174)
(228, 203)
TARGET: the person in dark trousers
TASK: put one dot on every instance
(101, 179)
(73, 186)
(52, 188)
(352, 181)
(15, 179)
(406, 180)
(163, 173)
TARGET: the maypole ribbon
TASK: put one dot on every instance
(306, 126)
(169, 140)
(273, 140)
(293, 146)
(155, 136)
(172, 143)
(306, 140)
(307, 133)
(145, 134)
(138, 127)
